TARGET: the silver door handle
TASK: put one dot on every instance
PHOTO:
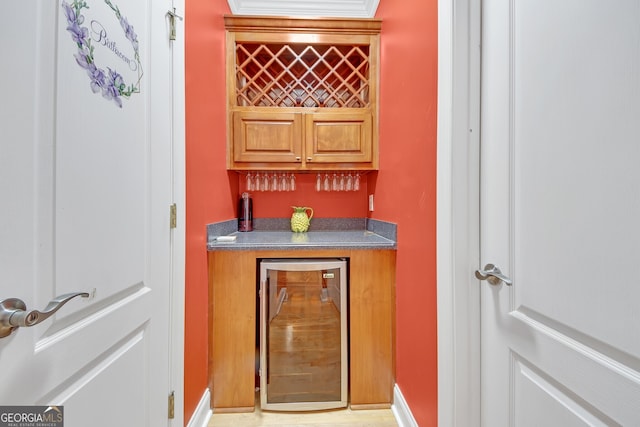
(14, 313)
(493, 275)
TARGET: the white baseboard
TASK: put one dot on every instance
(401, 410)
(202, 414)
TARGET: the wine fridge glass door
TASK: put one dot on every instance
(303, 336)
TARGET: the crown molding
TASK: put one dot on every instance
(311, 8)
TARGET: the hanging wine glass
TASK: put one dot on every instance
(349, 185)
(356, 182)
(292, 182)
(327, 184)
(334, 183)
(342, 182)
(266, 182)
(249, 182)
(318, 182)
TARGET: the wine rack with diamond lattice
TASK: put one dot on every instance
(292, 75)
(302, 93)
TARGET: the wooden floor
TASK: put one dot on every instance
(341, 417)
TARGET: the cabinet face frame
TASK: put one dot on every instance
(363, 125)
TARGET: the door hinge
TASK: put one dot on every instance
(172, 401)
(173, 216)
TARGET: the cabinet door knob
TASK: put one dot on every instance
(309, 159)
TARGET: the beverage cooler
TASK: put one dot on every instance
(303, 334)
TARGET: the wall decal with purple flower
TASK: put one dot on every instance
(87, 34)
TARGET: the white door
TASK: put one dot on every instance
(86, 185)
(560, 212)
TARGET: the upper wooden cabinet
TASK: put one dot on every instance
(302, 93)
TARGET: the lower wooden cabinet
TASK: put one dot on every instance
(233, 313)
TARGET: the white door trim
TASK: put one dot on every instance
(458, 211)
(176, 342)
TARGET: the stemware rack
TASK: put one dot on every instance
(264, 181)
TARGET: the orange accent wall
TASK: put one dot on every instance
(404, 188)
(209, 191)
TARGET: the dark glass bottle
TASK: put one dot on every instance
(245, 213)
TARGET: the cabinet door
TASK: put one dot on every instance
(270, 136)
(372, 328)
(339, 137)
(232, 330)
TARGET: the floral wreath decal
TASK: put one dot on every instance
(110, 83)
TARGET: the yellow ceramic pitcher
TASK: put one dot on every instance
(299, 219)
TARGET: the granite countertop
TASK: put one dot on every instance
(273, 234)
